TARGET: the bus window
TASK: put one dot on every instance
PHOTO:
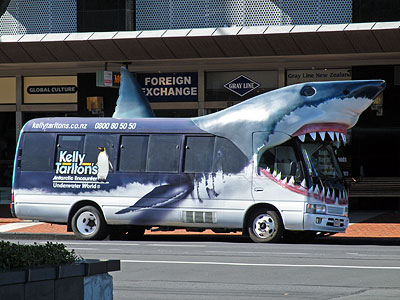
(69, 143)
(199, 154)
(163, 153)
(37, 152)
(133, 153)
(95, 141)
(282, 159)
(227, 157)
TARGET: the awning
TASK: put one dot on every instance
(271, 41)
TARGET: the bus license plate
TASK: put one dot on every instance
(336, 223)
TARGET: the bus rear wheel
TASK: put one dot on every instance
(265, 226)
(89, 224)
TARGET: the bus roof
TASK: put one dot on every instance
(109, 125)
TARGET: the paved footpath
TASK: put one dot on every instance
(362, 225)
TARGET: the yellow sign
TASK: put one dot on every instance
(55, 89)
(8, 88)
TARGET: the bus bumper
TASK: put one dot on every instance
(325, 223)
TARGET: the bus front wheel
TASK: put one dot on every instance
(265, 226)
(89, 224)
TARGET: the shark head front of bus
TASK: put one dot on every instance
(324, 109)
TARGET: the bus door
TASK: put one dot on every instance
(279, 180)
(34, 172)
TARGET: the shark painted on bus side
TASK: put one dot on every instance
(320, 110)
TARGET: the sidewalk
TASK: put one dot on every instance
(373, 225)
(366, 224)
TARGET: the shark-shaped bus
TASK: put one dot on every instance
(265, 167)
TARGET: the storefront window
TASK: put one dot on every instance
(7, 151)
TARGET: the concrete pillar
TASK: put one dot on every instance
(281, 77)
(19, 101)
(200, 93)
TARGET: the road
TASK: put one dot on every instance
(232, 268)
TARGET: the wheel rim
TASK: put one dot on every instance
(86, 223)
(264, 226)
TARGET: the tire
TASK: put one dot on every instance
(265, 226)
(130, 233)
(89, 224)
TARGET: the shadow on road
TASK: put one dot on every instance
(240, 239)
(358, 241)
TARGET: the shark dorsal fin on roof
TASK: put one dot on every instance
(131, 103)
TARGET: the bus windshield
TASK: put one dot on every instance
(321, 163)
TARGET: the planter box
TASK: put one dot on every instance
(84, 281)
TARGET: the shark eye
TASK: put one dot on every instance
(307, 91)
(346, 92)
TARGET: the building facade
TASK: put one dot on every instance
(193, 57)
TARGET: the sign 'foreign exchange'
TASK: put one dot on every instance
(169, 87)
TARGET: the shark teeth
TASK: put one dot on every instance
(344, 138)
(323, 135)
(303, 184)
(327, 195)
(288, 182)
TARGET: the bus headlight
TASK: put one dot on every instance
(316, 208)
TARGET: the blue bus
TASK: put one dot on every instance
(266, 167)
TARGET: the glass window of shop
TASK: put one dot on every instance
(7, 152)
(238, 86)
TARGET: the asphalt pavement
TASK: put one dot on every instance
(221, 268)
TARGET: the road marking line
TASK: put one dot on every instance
(18, 225)
(260, 252)
(258, 265)
(170, 245)
(98, 243)
(90, 249)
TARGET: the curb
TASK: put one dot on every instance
(36, 236)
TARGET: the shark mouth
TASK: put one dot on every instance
(323, 131)
(329, 196)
